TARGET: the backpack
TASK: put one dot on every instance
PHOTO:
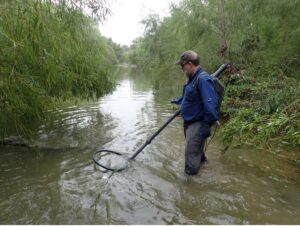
(219, 87)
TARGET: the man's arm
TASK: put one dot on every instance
(179, 99)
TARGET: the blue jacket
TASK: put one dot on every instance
(199, 105)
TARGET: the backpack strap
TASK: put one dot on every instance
(196, 82)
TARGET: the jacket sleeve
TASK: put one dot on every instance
(209, 99)
(179, 99)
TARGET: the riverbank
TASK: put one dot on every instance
(262, 110)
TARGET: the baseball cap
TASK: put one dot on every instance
(188, 56)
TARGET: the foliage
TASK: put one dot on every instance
(266, 107)
(50, 51)
(260, 38)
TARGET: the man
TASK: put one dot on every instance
(198, 109)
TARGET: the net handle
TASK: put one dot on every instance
(149, 140)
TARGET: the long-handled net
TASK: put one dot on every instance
(116, 161)
(109, 160)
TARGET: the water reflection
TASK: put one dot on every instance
(130, 110)
(59, 184)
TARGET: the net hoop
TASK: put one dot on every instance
(106, 167)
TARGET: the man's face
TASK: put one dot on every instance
(187, 69)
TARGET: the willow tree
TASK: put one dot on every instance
(261, 38)
(50, 51)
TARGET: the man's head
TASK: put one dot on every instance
(189, 62)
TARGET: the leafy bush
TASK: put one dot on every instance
(50, 51)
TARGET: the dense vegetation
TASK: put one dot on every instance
(260, 38)
(50, 51)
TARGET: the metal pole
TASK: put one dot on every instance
(149, 140)
(218, 72)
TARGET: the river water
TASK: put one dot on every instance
(58, 183)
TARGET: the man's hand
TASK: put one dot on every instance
(177, 100)
(205, 131)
